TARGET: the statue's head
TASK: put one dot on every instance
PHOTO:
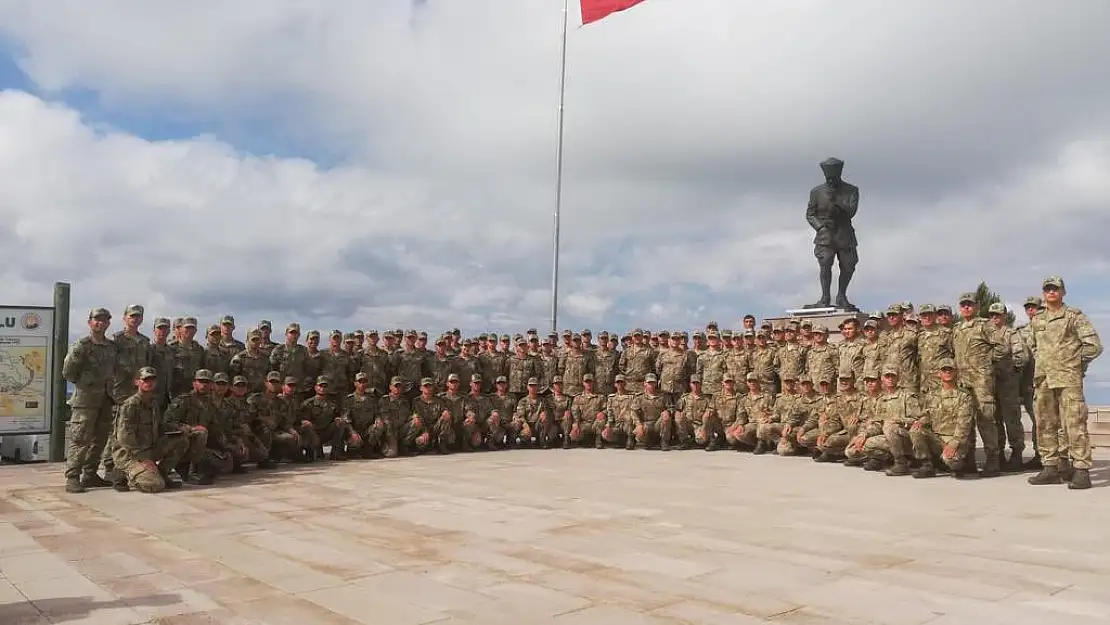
(832, 168)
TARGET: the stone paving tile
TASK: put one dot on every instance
(678, 538)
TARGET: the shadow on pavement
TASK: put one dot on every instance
(64, 609)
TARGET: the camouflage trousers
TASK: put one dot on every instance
(336, 435)
(497, 435)
(581, 431)
(469, 433)
(928, 446)
(1067, 408)
(262, 434)
(768, 433)
(834, 444)
(788, 440)
(609, 433)
(419, 436)
(709, 430)
(1008, 419)
(543, 432)
(238, 448)
(89, 430)
(801, 438)
(149, 476)
(378, 439)
(284, 445)
(650, 433)
(981, 387)
(893, 443)
(739, 434)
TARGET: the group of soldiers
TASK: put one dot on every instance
(904, 391)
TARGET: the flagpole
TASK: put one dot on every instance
(559, 175)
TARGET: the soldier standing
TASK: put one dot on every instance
(1033, 305)
(132, 353)
(933, 346)
(266, 328)
(252, 363)
(90, 366)
(1007, 389)
(976, 346)
(1064, 344)
(162, 359)
(188, 357)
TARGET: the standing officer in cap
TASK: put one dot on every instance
(90, 365)
(162, 359)
(188, 356)
(832, 206)
(228, 343)
(132, 353)
(977, 347)
(1064, 344)
(1007, 389)
(252, 363)
(146, 450)
(1033, 305)
(265, 328)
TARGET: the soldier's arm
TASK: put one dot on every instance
(74, 362)
(127, 421)
(964, 417)
(999, 346)
(275, 358)
(914, 410)
(1018, 350)
(175, 413)
(1091, 344)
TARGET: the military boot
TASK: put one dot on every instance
(714, 444)
(824, 456)
(853, 462)
(1014, 464)
(73, 485)
(1048, 475)
(925, 471)
(760, 449)
(94, 481)
(873, 464)
(120, 484)
(899, 468)
(991, 468)
(1033, 464)
(1065, 469)
(207, 478)
(1080, 480)
(171, 483)
(267, 464)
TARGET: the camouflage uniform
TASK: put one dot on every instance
(977, 347)
(430, 425)
(839, 423)
(674, 373)
(822, 361)
(252, 364)
(712, 366)
(948, 419)
(499, 423)
(618, 416)
(694, 421)
(533, 422)
(146, 452)
(753, 409)
(606, 367)
(90, 366)
(726, 405)
(194, 413)
(934, 345)
(1008, 391)
(395, 411)
(588, 418)
(652, 423)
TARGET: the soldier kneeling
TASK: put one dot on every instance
(941, 434)
(146, 451)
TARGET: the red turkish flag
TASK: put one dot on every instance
(594, 10)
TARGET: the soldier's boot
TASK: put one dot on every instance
(566, 441)
(925, 471)
(1033, 464)
(853, 462)
(1080, 480)
(825, 456)
(1065, 469)
(267, 464)
(760, 448)
(900, 467)
(73, 485)
(183, 469)
(1047, 475)
(171, 483)
(95, 481)
(599, 442)
(714, 444)
(873, 464)
(1014, 464)
(120, 482)
(207, 478)
(238, 468)
(992, 467)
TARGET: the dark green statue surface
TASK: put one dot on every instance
(831, 208)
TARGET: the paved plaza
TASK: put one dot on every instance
(563, 537)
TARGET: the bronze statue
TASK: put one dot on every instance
(831, 208)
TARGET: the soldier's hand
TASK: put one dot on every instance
(949, 451)
(199, 428)
(306, 423)
(821, 440)
(339, 421)
(917, 426)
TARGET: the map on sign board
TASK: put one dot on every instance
(26, 357)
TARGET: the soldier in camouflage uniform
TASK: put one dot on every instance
(1033, 305)
(941, 435)
(899, 348)
(787, 415)
(726, 405)
(499, 426)
(468, 434)
(606, 365)
(712, 365)
(293, 435)
(441, 365)
(652, 421)
(430, 426)
(188, 357)
(872, 349)
(394, 411)
(822, 359)
(266, 328)
(755, 407)
(231, 452)
(90, 366)
(341, 369)
(933, 347)
(790, 356)
(193, 414)
(215, 358)
(1007, 389)
(133, 352)
(146, 451)
(587, 416)
(228, 342)
(263, 415)
(251, 363)
(811, 404)
(618, 416)
(764, 362)
(977, 347)
(1064, 344)
(694, 422)
(899, 409)
(838, 423)
(637, 361)
(162, 359)
(673, 364)
(850, 350)
(239, 430)
(870, 422)
(360, 410)
(288, 358)
(375, 363)
(478, 411)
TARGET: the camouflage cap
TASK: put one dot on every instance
(454, 377)
(711, 324)
(779, 329)
(825, 379)
(762, 335)
(336, 333)
(788, 377)
(443, 341)
(871, 323)
(871, 373)
(568, 333)
(213, 329)
(603, 335)
(766, 325)
(997, 308)
(664, 334)
(220, 378)
(751, 377)
(203, 375)
(505, 338)
(926, 309)
(323, 380)
(876, 314)
(134, 310)
(361, 377)
(368, 332)
(912, 318)
(728, 377)
(699, 335)
(1034, 301)
(533, 381)
(805, 379)
(293, 327)
(146, 373)
(618, 378)
(411, 334)
(651, 377)
(637, 332)
(177, 321)
(265, 324)
(1053, 281)
(806, 323)
(427, 382)
(894, 309)
(99, 312)
(577, 338)
(253, 333)
(946, 363)
(475, 377)
(290, 380)
(313, 334)
(161, 322)
(820, 329)
(457, 332)
(350, 337)
(273, 376)
(906, 305)
(589, 377)
(423, 335)
(944, 308)
(966, 297)
(501, 380)
(890, 369)
(483, 336)
(749, 334)
(239, 381)
(227, 320)
(846, 373)
(396, 381)
(587, 332)
(695, 379)
(726, 334)
(713, 335)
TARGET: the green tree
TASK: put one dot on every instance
(984, 296)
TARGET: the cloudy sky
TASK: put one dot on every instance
(391, 163)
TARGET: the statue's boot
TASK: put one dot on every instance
(843, 303)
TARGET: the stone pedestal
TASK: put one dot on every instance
(829, 318)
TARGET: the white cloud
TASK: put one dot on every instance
(693, 133)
